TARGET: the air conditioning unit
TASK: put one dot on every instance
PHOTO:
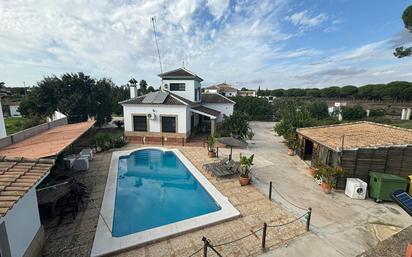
(356, 188)
(151, 116)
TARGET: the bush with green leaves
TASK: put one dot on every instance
(294, 115)
(236, 125)
(103, 140)
(353, 113)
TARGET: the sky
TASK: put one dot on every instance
(267, 43)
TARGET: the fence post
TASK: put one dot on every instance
(265, 225)
(217, 152)
(308, 218)
(205, 245)
(270, 190)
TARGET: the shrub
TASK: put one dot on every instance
(236, 125)
(353, 113)
(103, 141)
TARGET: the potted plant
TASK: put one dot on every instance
(329, 176)
(211, 141)
(292, 143)
(313, 169)
(244, 170)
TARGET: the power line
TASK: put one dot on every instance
(157, 44)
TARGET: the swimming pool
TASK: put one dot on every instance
(152, 183)
(153, 193)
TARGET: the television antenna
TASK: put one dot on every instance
(157, 43)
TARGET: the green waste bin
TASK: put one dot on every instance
(381, 185)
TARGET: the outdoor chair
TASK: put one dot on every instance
(69, 160)
(87, 152)
(223, 168)
(81, 164)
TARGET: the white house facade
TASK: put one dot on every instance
(223, 89)
(176, 112)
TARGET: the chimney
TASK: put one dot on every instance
(133, 90)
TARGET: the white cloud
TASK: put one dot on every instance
(217, 7)
(305, 19)
(243, 42)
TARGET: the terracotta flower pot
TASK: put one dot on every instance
(312, 171)
(244, 181)
(291, 152)
(326, 187)
(211, 154)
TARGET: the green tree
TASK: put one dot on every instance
(348, 91)
(330, 92)
(278, 92)
(318, 109)
(75, 94)
(101, 100)
(119, 94)
(294, 115)
(256, 108)
(401, 51)
(236, 125)
(142, 87)
(43, 99)
(353, 113)
(313, 92)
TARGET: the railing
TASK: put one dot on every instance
(207, 243)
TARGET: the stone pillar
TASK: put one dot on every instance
(212, 127)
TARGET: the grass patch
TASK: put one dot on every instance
(404, 124)
(14, 124)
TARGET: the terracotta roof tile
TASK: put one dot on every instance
(17, 178)
(358, 135)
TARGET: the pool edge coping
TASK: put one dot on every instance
(104, 243)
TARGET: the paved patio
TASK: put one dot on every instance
(340, 225)
(75, 238)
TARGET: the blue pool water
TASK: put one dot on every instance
(154, 188)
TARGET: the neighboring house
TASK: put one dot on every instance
(3, 132)
(247, 93)
(223, 89)
(268, 98)
(175, 112)
(21, 233)
(14, 110)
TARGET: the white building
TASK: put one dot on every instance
(3, 132)
(247, 93)
(14, 110)
(223, 89)
(21, 233)
(176, 112)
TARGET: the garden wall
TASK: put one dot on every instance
(24, 134)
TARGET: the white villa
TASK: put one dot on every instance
(175, 112)
(223, 89)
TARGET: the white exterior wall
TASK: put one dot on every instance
(197, 86)
(189, 93)
(3, 132)
(230, 94)
(22, 223)
(14, 111)
(183, 124)
(211, 90)
(224, 109)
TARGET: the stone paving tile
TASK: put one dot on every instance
(75, 238)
